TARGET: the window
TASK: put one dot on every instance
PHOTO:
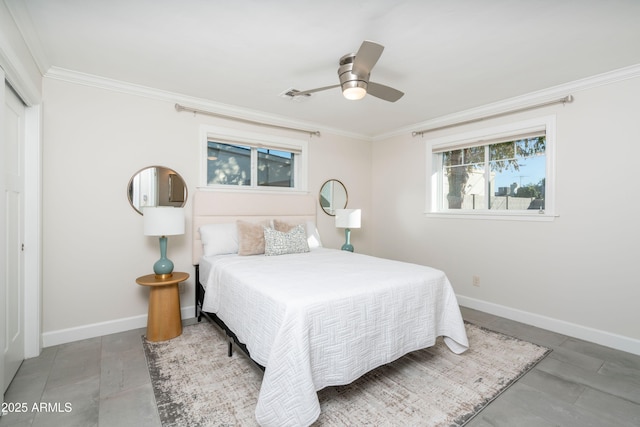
(504, 171)
(236, 159)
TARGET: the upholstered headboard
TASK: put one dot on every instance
(219, 207)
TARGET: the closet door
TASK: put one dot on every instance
(3, 238)
(13, 157)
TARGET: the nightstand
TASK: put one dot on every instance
(164, 321)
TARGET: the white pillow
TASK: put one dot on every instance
(313, 236)
(219, 239)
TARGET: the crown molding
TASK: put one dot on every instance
(240, 113)
(518, 102)
(503, 106)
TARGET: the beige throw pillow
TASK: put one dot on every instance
(283, 226)
(251, 237)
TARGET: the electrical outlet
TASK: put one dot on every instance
(182, 287)
(475, 281)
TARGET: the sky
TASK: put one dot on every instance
(532, 170)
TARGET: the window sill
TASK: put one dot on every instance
(249, 189)
(503, 216)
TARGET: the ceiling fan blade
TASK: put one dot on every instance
(310, 91)
(384, 92)
(366, 58)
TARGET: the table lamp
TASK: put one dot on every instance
(348, 219)
(163, 222)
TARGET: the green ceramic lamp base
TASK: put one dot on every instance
(347, 245)
(164, 266)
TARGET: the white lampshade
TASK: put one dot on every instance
(348, 218)
(163, 221)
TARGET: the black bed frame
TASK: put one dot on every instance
(212, 317)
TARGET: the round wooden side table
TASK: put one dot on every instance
(164, 321)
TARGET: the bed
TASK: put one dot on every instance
(312, 318)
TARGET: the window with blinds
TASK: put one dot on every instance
(499, 170)
(244, 160)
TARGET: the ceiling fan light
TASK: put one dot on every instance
(354, 93)
(354, 90)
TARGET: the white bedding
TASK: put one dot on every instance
(326, 317)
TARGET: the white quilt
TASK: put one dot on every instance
(325, 318)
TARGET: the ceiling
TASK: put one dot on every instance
(447, 56)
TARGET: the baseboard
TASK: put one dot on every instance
(78, 333)
(607, 339)
(619, 342)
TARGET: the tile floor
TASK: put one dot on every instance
(106, 383)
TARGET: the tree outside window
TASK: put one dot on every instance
(507, 175)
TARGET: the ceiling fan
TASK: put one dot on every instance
(354, 72)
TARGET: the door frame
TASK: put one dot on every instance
(32, 231)
(31, 235)
(13, 72)
(3, 236)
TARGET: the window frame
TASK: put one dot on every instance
(300, 149)
(481, 137)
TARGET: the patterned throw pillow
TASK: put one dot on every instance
(313, 236)
(280, 243)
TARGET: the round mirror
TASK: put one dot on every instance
(333, 195)
(156, 186)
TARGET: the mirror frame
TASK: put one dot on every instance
(173, 196)
(346, 196)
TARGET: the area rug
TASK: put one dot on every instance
(196, 384)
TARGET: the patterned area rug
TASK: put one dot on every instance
(196, 384)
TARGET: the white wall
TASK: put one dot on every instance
(577, 274)
(94, 141)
